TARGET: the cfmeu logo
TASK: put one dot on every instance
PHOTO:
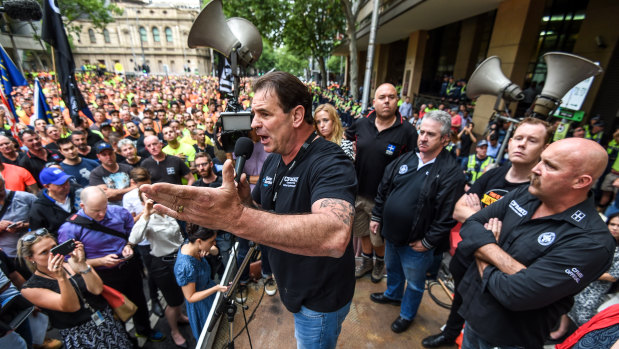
(546, 238)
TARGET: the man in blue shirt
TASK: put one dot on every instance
(75, 165)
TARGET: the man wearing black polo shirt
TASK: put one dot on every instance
(534, 250)
(165, 168)
(524, 149)
(36, 156)
(306, 191)
(380, 137)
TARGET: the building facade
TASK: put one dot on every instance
(152, 34)
(418, 42)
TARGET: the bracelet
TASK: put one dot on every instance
(88, 270)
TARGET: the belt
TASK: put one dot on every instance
(168, 258)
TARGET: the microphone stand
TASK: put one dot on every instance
(227, 303)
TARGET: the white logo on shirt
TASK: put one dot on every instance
(578, 215)
(403, 169)
(575, 274)
(516, 208)
(546, 238)
(170, 170)
(267, 181)
(290, 182)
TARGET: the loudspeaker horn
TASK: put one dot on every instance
(488, 79)
(211, 29)
(249, 36)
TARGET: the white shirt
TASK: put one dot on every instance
(163, 232)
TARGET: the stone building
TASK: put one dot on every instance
(152, 33)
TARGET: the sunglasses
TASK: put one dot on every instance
(30, 237)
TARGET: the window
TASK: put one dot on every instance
(91, 35)
(156, 34)
(143, 34)
(106, 36)
(168, 34)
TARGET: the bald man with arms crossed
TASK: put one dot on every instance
(534, 249)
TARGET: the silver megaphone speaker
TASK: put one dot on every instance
(565, 70)
(488, 79)
(212, 29)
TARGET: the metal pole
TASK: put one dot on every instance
(370, 59)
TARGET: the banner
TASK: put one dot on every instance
(41, 108)
(52, 31)
(11, 76)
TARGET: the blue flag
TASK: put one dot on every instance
(11, 76)
(41, 108)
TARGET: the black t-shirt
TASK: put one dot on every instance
(492, 185)
(35, 165)
(171, 170)
(375, 150)
(137, 164)
(214, 184)
(465, 144)
(9, 161)
(322, 284)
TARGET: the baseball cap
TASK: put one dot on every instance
(101, 146)
(51, 175)
(482, 143)
(105, 124)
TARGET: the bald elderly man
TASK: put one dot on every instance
(104, 230)
(534, 249)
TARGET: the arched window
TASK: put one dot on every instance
(91, 35)
(143, 34)
(156, 37)
(168, 34)
(106, 36)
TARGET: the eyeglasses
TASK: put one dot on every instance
(30, 237)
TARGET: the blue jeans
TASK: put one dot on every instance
(315, 330)
(224, 244)
(472, 340)
(406, 266)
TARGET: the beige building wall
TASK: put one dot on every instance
(514, 37)
(414, 63)
(170, 54)
(597, 40)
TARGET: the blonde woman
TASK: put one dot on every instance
(329, 126)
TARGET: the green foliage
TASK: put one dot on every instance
(98, 12)
(334, 64)
(269, 16)
(291, 63)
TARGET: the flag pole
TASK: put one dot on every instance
(54, 64)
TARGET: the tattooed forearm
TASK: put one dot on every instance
(340, 208)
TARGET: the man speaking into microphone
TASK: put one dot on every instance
(302, 207)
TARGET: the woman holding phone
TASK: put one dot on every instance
(69, 292)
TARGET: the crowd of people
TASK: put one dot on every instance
(326, 182)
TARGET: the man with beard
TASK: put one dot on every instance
(176, 148)
(534, 249)
(530, 138)
(78, 138)
(204, 167)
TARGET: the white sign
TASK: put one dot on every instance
(575, 97)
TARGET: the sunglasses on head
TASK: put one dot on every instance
(30, 237)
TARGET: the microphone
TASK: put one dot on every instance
(242, 150)
(22, 10)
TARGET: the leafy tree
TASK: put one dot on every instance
(312, 27)
(98, 12)
(334, 64)
(351, 11)
(306, 27)
(289, 62)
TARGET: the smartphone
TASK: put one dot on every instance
(120, 256)
(13, 225)
(64, 248)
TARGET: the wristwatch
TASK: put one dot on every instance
(86, 271)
